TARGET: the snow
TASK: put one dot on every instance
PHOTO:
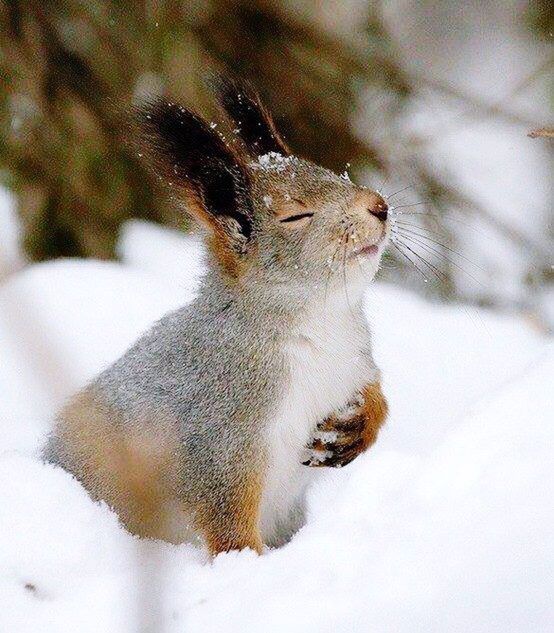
(273, 161)
(443, 526)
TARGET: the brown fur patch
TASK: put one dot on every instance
(217, 240)
(229, 260)
(234, 524)
(375, 411)
(134, 468)
(355, 434)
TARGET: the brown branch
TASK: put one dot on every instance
(543, 132)
(478, 107)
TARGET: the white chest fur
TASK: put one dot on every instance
(329, 360)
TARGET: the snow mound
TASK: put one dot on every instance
(443, 526)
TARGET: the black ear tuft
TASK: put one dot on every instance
(186, 151)
(254, 123)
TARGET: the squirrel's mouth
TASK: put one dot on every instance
(368, 250)
(372, 249)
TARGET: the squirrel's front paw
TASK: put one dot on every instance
(339, 439)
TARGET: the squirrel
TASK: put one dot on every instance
(214, 423)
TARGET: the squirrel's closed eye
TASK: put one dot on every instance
(293, 212)
(295, 218)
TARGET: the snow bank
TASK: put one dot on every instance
(443, 526)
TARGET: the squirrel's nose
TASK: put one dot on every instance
(370, 201)
(381, 213)
(377, 206)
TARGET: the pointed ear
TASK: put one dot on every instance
(186, 152)
(253, 121)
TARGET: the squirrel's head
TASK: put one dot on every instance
(270, 217)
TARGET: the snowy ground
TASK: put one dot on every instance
(443, 526)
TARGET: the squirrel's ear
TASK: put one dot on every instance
(186, 152)
(253, 122)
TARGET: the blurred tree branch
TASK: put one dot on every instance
(69, 68)
(479, 108)
(543, 132)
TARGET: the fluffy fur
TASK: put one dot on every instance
(206, 426)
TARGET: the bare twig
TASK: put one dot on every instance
(543, 132)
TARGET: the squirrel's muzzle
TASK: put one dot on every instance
(368, 201)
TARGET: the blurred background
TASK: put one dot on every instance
(443, 106)
(430, 101)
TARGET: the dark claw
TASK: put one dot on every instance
(317, 445)
(341, 456)
(339, 446)
(339, 463)
(352, 425)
